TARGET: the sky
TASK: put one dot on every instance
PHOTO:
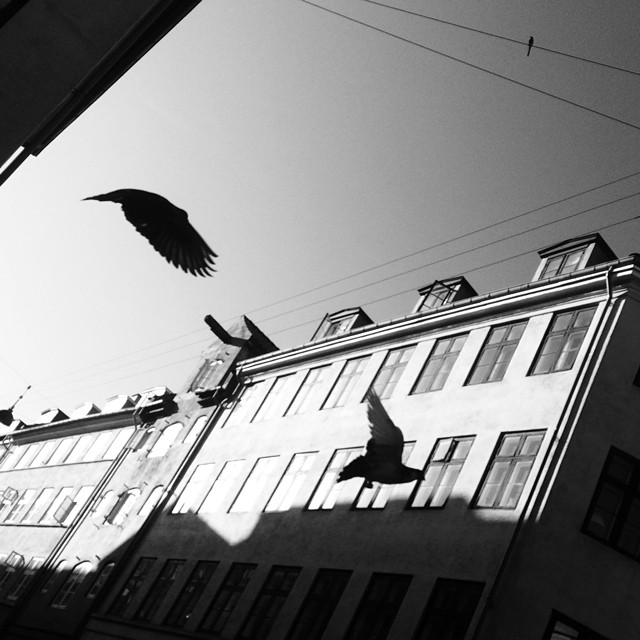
(331, 161)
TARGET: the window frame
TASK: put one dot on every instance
(130, 589)
(330, 487)
(159, 589)
(389, 374)
(444, 359)
(347, 381)
(186, 602)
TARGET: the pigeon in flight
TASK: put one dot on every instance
(530, 45)
(383, 460)
(166, 227)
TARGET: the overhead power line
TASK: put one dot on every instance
(475, 66)
(500, 37)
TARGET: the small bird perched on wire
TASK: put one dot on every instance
(166, 227)
(530, 44)
(383, 460)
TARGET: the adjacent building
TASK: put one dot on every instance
(215, 512)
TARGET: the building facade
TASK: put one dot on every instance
(216, 512)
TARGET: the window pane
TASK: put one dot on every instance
(131, 588)
(327, 492)
(222, 486)
(169, 574)
(291, 482)
(190, 594)
(260, 475)
(346, 382)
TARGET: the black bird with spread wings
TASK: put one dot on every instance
(383, 460)
(166, 227)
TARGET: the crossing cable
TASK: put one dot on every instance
(498, 36)
(475, 66)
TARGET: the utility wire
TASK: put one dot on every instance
(498, 36)
(462, 253)
(475, 66)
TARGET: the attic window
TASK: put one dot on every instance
(437, 296)
(564, 263)
(205, 376)
(340, 322)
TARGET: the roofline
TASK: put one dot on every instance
(525, 295)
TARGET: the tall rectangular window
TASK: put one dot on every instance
(132, 586)
(307, 394)
(436, 370)
(327, 492)
(614, 514)
(269, 602)
(226, 599)
(44, 455)
(118, 444)
(81, 447)
(190, 594)
(99, 446)
(194, 490)
(346, 382)
(291, 482)
(259, 476)
(319, 605)
(496, 353)
(273, 405)
(78, 502)
(509, 469)
(21, 505)
(222, 486)
(159, 589)
(28, 457)
(389, 374)
(561, 627)
(49, 516)
(378, 607)
(36, 509)
(25, 579)
(377, 496)
(443, 468)
(449, 610)
(247, 405)
(71, 585)
(61, 452)
(563, 340)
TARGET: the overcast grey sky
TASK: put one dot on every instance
(307, 147)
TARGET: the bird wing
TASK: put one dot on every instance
(386, 439)
(166, 227)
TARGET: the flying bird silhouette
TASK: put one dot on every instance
(530, 45)
(166, 227)
(383, 460)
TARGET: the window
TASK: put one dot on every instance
(509, 470)
(377, 496)
(35, 511)
(45, 453)
(327, 491)
(159, 589)
(206, 375)
(563, 340)
(21, 505)
(307, 394)
(496, 353)
(269, 602)
(61, 453)
(379, 607)
(71, 585)
(272, 406)
(226, 599)
(52, 575)
(105, 504)
(132, 586)
(394, 364)
(319, 605)
(562, 628)
(254, 485)
(100, 580)
(246, 406)
(437, 295)
(196, 430)
(291, 482)
(11, 458)
(222, 486)
(13, 563)
(49, 516)
(26, 459)
(614, 513)
(439, 364)
(346, 382)
(190, 594)
(99, 447)
(449, 610)
(152, 501)
(441, 473)
(194, 490)
(81, 447)
(123, 507)
(118, 444)
(25, 579)
(166, 439)
(68, 516)
(565, 263)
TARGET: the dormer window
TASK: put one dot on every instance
(442, 292)
(341, 322)
(572, 255)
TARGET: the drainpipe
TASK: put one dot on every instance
(579, 385)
